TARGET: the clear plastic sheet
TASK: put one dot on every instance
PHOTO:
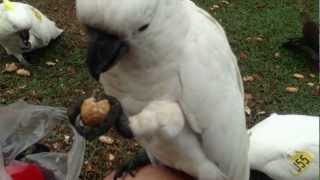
(22, 125)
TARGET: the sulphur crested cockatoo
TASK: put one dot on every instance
(286, 147)
(23, 28)
(171, 66)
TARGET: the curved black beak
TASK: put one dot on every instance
(25, 36)
(104, 50)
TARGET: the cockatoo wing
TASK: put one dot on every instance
(212, 95)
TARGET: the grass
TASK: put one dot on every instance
(273, 20)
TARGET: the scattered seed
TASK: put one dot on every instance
(310, 84)
(259, 39)
(312, 75)
(111, 157)
(225, 2)
(262, 113)
(56, 146)
(106, 140)
(12, 67)
(292, 89)
(23, 72)
(277, 55)
(49, 63)
(214, 7)
(298, 76)
(248, 110)
(66, 138)
(248, 78)
(254, 39)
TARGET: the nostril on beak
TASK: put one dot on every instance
(27, 44)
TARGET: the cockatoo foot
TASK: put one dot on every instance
(140, 160)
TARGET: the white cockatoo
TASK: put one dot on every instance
(171, 66)
(286, 147)
(24, 28)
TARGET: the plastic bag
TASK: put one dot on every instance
(22, 125)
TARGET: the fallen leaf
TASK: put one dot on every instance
(23, 72)
(243, 56)
(49, 63)
(248, 78)
(298, 76)
(111, 157)
(292, 89)
(249, 39)
(12, 67)
(106, 140)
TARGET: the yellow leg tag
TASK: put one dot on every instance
(37, 14)
(300, 161)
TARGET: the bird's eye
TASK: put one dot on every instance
(143, 28)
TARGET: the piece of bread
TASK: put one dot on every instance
(93, 113)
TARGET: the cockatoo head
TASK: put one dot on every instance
(18, 17)
(115, 27)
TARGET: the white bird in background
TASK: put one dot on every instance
(169, 58)
(23, 28)
(286, 147)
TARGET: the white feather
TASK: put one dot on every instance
(274, 140)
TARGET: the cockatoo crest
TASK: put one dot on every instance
(8, 6)
(37, 14)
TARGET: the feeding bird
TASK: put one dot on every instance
(308, 44)
(24, 28)
(285, 147)
(171, 66)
